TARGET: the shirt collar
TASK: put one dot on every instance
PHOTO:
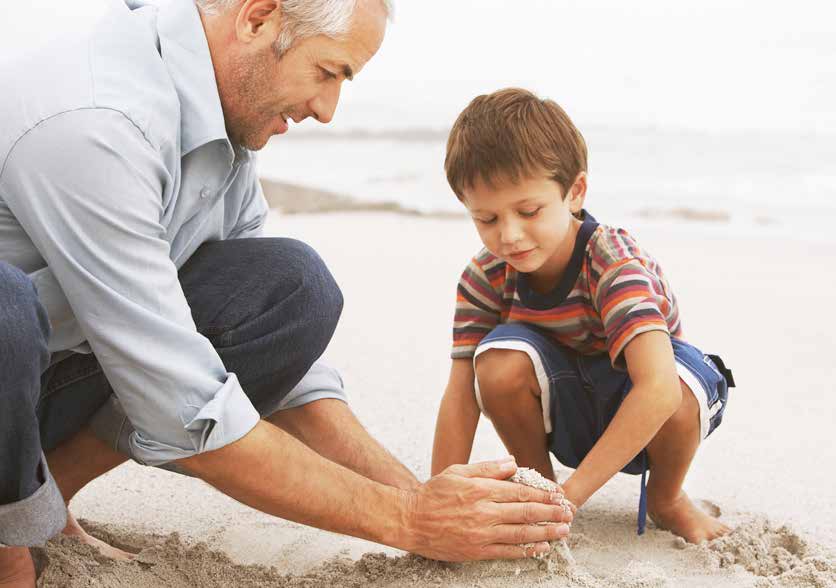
(185, 51)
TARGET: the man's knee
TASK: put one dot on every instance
(24, 328)
(504, 375)
(323, 297)
(278, 285)
(304, 295)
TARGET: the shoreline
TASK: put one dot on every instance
(292, 198)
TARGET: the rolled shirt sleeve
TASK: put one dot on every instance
(88, 188)
(322, 381)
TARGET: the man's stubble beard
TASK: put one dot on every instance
(250, 89)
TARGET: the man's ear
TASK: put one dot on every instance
(257, 20)
(577, 193)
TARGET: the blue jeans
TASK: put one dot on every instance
(268, 306)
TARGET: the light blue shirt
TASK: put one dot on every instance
(114, 167)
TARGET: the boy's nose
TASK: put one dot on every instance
(510, 234)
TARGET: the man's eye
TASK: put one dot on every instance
(328, 74)
(530, 213)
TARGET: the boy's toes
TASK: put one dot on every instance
(717, 531)
(682, 517)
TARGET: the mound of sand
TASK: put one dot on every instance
(756, 554)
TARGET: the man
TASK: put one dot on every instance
(140, 313)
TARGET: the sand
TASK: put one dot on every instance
(765, 471)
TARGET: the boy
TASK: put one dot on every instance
(567, 334)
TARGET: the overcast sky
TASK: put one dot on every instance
(711, 65)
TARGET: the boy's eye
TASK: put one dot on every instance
(530, 213)
(485, 221)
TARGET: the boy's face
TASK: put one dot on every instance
(530, 225)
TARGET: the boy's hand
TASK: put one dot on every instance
(468, 512)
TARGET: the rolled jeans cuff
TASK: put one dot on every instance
(34, 520)
(321, 381)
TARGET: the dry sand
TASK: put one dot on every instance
(767, 471)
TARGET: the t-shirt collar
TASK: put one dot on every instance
(545, 301)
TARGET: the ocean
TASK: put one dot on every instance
(779, 184)
(718, 114)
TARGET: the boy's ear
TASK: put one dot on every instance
(577, 193)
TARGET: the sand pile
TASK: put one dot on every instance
(560, 556)
(778, 556)
(756, 554)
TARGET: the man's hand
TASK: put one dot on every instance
(468, 512)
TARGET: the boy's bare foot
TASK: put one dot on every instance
(682, 517)
(73, 529)
(16, 568)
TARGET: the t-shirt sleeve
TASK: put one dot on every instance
(478, 310)
(631, 300)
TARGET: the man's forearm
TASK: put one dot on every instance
(634, 425)
(329, 427)
(275, 473)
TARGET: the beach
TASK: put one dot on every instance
(711, 133)
(760, 301)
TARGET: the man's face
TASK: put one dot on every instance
(528, 224)
(261, 91)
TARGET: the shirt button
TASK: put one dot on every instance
(205, 192)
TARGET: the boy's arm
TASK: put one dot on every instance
(655, 396)
(457, 418)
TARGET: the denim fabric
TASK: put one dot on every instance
(586, 390)
(26, 488)
(268, 306)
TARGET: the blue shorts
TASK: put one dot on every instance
(580, 394)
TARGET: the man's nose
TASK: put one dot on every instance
(324, 104)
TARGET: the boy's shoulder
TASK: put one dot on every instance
(610, 245)
(487, 262)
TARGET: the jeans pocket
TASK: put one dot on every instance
(717, 391)
(713, 379)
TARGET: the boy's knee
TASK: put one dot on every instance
(688, 411)
(504, 374)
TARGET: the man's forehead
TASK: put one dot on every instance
(365, 35)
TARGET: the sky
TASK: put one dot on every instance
(713, 65)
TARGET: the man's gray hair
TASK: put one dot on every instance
(303, 18)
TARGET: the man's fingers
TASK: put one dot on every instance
(497, 469)
(500, 551)
(502, 491)
(532, 512)
(520, 534)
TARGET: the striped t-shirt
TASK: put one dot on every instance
(611, 291)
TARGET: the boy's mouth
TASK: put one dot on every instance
(520, 255)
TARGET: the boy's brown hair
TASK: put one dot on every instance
(511, 134)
